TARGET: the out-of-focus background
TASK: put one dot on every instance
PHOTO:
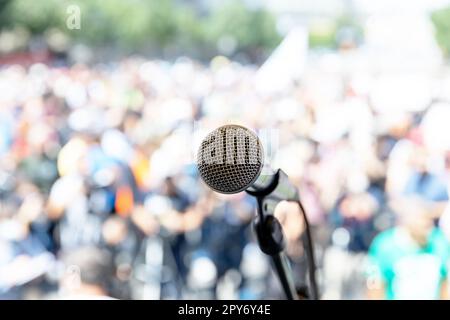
(102, 106)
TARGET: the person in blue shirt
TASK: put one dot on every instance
(422, 182)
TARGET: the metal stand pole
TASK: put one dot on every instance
(271, 241)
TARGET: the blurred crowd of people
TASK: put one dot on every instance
(99, 193)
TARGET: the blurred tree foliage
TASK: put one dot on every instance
(441, 21)
(335, 33)
(4, 21)
(250, 29)
(139, 25)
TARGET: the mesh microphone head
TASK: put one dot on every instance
(230, 159)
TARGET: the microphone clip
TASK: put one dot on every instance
(268, 229)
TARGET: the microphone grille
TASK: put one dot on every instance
(230, 159)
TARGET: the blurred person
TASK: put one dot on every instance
(25, 257)
(167, 224)
(68, 209)
(422, 182)
(397, 151)
(224, 230)
(353, 223)
(88, 274)
(293, 224)
(410, 260)
(120, 240)
(355, 213)
(179, 203)
(444, 221)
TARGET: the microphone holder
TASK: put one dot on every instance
(269, 231)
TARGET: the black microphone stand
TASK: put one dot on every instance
(270, 235)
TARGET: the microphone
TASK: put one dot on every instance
(230, 160)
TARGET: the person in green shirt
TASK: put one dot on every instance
(409, 261)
